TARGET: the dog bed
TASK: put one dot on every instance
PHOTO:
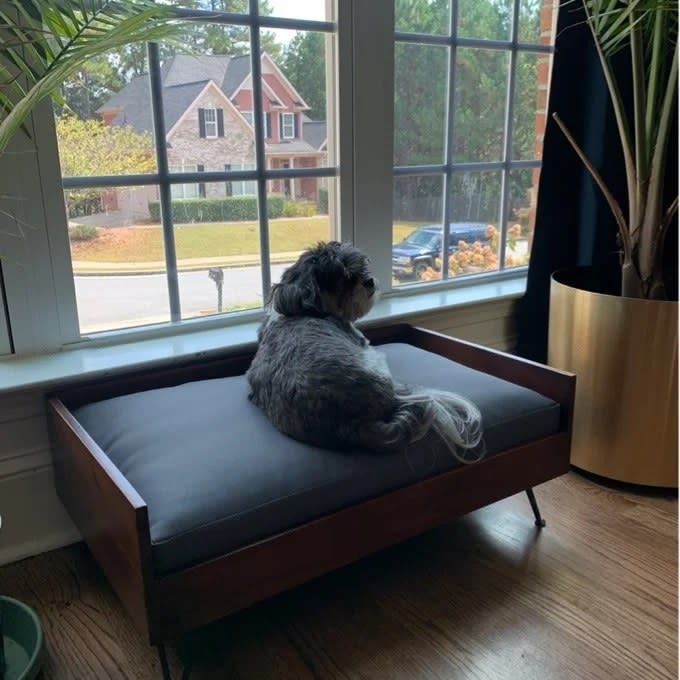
(217, 476)
(195, 505)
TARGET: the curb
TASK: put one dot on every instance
(143, 270)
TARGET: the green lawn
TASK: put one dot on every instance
(145, 244)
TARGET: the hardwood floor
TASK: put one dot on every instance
(593, 595)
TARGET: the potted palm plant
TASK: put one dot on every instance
(43, 43)
(623, 346)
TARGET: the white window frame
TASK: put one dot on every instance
(38, 277)
(210, 124)
(243, 187)
(290, 117)
(184, 190)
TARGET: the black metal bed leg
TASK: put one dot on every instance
(540, 522)
(163, 657)
(165, 667)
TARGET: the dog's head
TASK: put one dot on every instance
(329, 279)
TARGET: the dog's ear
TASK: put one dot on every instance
(298, 293)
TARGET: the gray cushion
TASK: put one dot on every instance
(216, 475)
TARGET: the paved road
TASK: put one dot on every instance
(118, 301)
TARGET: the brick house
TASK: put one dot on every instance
(208, 109)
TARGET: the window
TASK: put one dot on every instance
(287, 123)
(243, 188)
(210, 118)
(184, 190)
(266, 121)
(440, 122)
(470, 99)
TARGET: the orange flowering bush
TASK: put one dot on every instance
(478, 257)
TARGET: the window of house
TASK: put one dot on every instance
(210, 117)
(266, 121)
(243, 188)
(470, 104)
(184, 190)
(441, 122)
(287, 125)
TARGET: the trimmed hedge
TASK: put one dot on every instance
(227, 209)
(298, 209)
(82, 232)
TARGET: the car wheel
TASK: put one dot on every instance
(419, 269)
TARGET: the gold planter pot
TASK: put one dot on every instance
(624, 352)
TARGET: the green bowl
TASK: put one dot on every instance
(23, 639)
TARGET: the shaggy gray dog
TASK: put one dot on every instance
(318, 379)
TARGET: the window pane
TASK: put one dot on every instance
(530, 105)
(475, 214)
(487, 19)
(232, 6)
(481, 86)
(118, 257)
(536, 21)
(294, 96)
(294, 9)
(106, 128)
(203, 125)
(523, 190)
(416, 16)
(417, 228)
(218, 256)
(420, 95)
(301, 213)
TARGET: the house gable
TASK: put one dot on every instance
(275, 81)
(235, 146)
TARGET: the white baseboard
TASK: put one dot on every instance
(33, 519)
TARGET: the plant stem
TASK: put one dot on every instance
(621, 122)
(611, 201)
(641, 148)
(654, 227)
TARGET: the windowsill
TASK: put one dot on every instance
(47, 371)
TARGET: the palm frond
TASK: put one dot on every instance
(42, 43)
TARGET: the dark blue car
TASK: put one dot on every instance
(418, 250)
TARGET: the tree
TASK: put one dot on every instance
(481, 81)
(304, 64)
(89, 147)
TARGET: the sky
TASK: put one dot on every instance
(297, 9)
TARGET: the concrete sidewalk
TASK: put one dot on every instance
(85, 268)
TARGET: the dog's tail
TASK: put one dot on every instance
(456, 420)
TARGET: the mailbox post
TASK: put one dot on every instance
(217, 275)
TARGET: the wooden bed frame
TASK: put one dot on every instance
(113, 520)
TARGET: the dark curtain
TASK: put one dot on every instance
(574, 226)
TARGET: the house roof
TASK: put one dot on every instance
(314, 133)
(290, 146)
(183, 77)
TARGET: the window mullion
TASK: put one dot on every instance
(373, 126)
(507, 141)
(5, 337)
(165, 193)
(256, 77)
(449, 142)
